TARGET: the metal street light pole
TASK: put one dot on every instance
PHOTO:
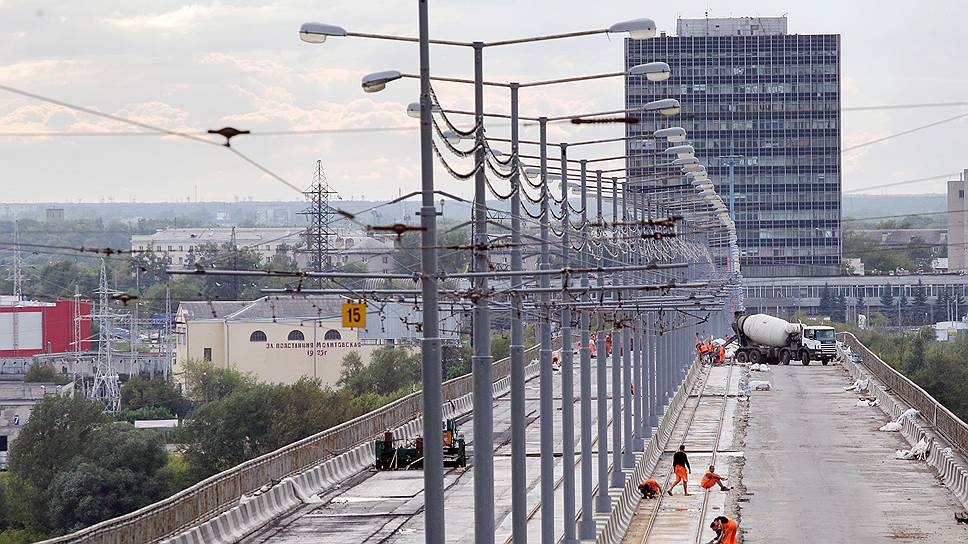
(603, 503)
(586, 526)
(628, 457)
(546, 393)
(618, 479)
(519, 476)
(567, 367)
(481, 361)
(432, 399)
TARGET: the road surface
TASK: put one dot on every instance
(818, 471)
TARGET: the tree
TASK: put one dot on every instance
(456, 358)
(919, 304)
(390, 369)
(838, 312)
(190, 288)
(256, 419)
(58, 428)
(153, 392)
(887, 299)
(205, 382)
(902, 308)
(500, 346)
(150, 268)
(119, 471)
(70, 468)
(826, 306)
(228, 257)
(942, 303)
(44, 372)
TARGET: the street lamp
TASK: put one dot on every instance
(653, 71)
(638, 29)
(682, 151)
(672, 134)
(318, 32)
(377, 81)
(413, 109)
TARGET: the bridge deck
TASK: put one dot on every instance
(387, 507)
(817, 470)
(677, 519)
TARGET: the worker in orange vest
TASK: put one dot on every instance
(649, 488)
(680, 465)
(710, 478)
(726, 530)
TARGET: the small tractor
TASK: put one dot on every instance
(400, 454)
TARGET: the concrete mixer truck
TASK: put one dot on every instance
(766, 339)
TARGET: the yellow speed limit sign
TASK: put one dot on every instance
(354, 315)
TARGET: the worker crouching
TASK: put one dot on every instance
(649, 488)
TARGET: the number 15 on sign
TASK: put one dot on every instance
(354, 315)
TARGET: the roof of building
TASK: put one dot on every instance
(265, 308)
(215, 309)
(938, 236)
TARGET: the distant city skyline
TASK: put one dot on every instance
(193, 66)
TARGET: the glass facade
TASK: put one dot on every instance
(773, 102)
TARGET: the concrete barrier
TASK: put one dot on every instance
(950, 470)
(623, 508)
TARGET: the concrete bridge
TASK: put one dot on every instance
(806, 462)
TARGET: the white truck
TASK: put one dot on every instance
(766, 339)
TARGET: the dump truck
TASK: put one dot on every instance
(766, 339)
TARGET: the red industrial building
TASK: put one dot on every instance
(29, 327)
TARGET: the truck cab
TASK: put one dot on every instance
(820, 341)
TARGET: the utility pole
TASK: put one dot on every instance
(106, 388)
(430, 362)
(17, 273)
(321, 216)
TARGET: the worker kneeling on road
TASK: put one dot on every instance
(649, 488)
(726, 530)
(710, 478)
(680, 464)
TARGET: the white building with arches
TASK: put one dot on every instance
(277, 338)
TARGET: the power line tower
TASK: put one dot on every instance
(107, 387)
(76, 320)
(321, 216)
(17, 274)
(169, 337)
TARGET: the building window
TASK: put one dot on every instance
(257, 336)
(3, 442)
(332, 334)
(206, 354)
(295, 335)
(961, 193)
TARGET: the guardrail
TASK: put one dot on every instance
(949, 425)
(220, 492)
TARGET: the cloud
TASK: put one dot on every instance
(178, 20)
(33, 70)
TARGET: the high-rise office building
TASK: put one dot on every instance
(769, 102)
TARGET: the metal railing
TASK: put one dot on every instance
(220, 492)
(949, 425)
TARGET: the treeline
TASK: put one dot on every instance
(940, 368)
(894, 306)
(144, 275)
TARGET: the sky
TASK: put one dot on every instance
(193, 66)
